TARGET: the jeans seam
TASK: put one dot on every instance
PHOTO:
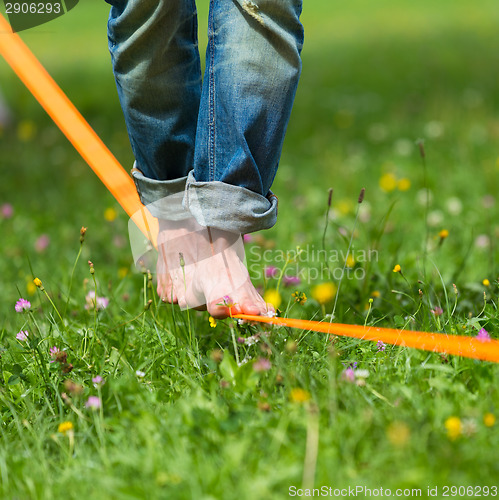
(211, 97)
(194, 23)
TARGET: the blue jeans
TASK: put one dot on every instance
(219, 138)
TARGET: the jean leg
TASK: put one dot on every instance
(252, 70)
(155, 57)
(253, 66)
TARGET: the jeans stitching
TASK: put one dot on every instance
(211, 96)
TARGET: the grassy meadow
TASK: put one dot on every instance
(124, 397)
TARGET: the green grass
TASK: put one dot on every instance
(377, 77)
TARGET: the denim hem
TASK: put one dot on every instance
(228, 207)
(162, 198)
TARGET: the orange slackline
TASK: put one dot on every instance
(121, 186)
(469, 347)
(74, 127)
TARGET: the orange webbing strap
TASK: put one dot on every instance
(468, 347)
(74, 127)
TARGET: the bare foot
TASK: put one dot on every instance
(164, 282)
(203, 268)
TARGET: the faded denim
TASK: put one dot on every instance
(217, 138)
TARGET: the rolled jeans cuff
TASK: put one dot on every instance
(228, 207)
(162, 198)
(213, 204)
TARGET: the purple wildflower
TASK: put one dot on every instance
(7, 211)
(380, 345)
(227, 301)
(22, 336)
(437, 311)
(102, 302)
(93, 402)
(262, 365)
(355, 376)
(291, 280)
(94, 302)
(270, 271)
(22, 305)
(42, 243)
(54, 351)
(60, 357)
(348, 375)
(97, 381)
(483, 335)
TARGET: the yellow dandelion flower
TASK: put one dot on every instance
(388, 182)
(26, 130)
(489, 420)
(38, 282)
(398, 434)
(110, 214)
(65, 427)
(454, 427)
(486, 282)
(350, 261)
(375, 294)
(272, 296)
(404, 184)
(344, 207)
(299, 395)
(397, 268)
(324, 292)
(122, 272)
(213, 322)
(30, 288)
(443, 234)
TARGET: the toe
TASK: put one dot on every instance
(166, 292)
(220, 311)
(257, 309)
(251, 308)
